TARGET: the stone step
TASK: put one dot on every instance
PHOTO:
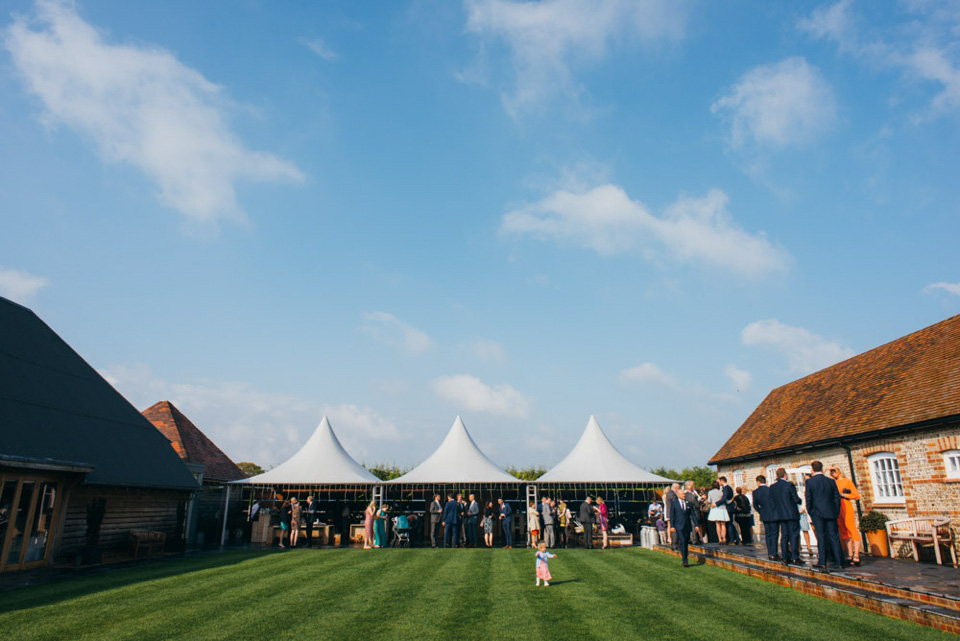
(863, 594)
(834, 577)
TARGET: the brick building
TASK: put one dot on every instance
(889, 418)
(212, 468)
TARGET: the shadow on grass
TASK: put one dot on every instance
(107, 578)
(553, 583)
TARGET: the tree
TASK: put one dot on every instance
(666, 472)
(531, 473)
(386, 472)
(701, 475)
(250, 469)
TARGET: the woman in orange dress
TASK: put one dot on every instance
(849, 531)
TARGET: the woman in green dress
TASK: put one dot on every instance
(380, 527)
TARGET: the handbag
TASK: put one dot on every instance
(283, 525)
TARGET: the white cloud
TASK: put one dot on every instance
(806, 352)
(20, 286)
(832, 22)
(319, 47)
(390, 330)
(140, 105)
(950, 288)
(784, 104)
(473, 394)
(691, 230)
(547, 40)
(362, 422)
(247, 423)
(651, 374)
(741, 379)
(921, 43)
(647, 373)
(487, 350)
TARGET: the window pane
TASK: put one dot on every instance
(20, 522)
(6, 507)
(42, 521)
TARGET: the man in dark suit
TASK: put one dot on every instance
(462, 523)
(310, 515)
(451, 522)
(436, 514)
(506, 522)
(786, 501)
(473, 519)
(764, 506)
(823, 506)
(684, 518)
(733, 535)
(586, 520)
(693, 502)
(668, 498)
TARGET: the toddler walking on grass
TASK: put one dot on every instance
(543, 569)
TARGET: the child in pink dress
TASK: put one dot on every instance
(543, 570)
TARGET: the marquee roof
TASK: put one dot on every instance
(321, 461)
(594, 459)
(456, 460)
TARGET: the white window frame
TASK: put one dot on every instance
(951, 464)
(771, 473)
(886, 479)
(737, 478)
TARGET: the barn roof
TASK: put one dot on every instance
(908, 382)
(55, 406)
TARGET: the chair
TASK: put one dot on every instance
(401, 532)
(923, 532)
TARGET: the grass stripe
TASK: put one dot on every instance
(429, 595)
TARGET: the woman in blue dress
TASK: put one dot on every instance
(380, 527)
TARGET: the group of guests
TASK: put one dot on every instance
(375, 525)
(828, 508)
(552, 523)
(457, 521)
(294, 515)
(460, 519)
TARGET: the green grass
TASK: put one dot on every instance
(431, 594)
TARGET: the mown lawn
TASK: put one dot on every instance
(431, 594)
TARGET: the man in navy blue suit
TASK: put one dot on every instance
(823, 506)
(506, 522)
(786, 500)
(451, 521)
(768, 515)
(683, 518)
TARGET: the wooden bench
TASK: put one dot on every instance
(147, 539)
(922, 532)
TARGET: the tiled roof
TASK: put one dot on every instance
(191, 444)
(910, 380)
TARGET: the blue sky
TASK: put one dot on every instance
(522, 213)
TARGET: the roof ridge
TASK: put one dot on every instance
(906, 381)
(195, 446)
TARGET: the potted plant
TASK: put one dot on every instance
(874, 524)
